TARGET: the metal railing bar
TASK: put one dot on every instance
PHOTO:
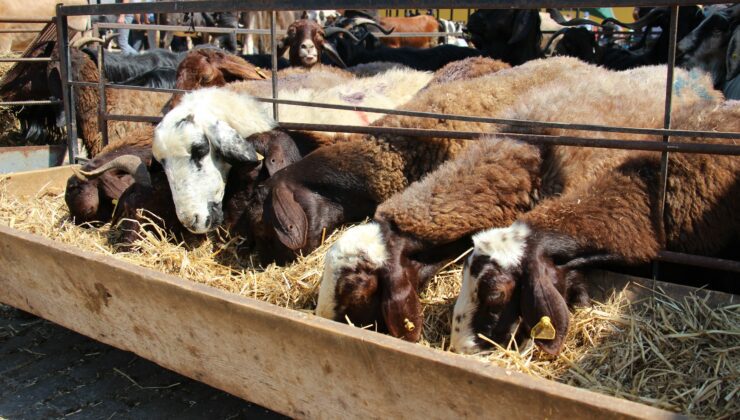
(216, 30)
(698, 261)
(269, 5)
(645, 145)
(65, 69)
(30, 103)
(274, 64)
(26, 60)
(26, 20)
(485, 120)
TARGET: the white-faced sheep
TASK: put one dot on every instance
(604, 208)
(201, 138)
(376, 279)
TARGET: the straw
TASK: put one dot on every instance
(677, 354)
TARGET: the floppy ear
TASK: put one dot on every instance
(230, 144)
(540, 298)
(234, 69)
(400, 304)
(281, 152)
(289, 219)
(524, 23)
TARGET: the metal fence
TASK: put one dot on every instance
(39, 60)
(666, 146)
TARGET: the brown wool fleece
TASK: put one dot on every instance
(489, 184)
(468, 68)
(398, 160)
(616, 210)
(123, 102)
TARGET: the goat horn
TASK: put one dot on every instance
(131, 164)
(81, 42)
(366, 21)
(560, 20)
(332, 30)
(333, 54)
(552, 39)
(639, 24)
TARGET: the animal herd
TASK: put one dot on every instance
(537, 216)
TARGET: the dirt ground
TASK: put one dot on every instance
(47, 371)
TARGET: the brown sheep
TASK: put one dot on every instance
(422, 228)
(602, 209)
(118, 101)
(346, 181)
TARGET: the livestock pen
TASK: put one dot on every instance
(287, 359)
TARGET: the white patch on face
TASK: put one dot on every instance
(359, 243)
(307, 52)
(504, 245)
(462, 337)
(198, 184)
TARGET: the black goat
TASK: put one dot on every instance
(512, 36)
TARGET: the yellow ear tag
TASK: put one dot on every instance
(115, 205)
(408, 324)
(544, 329)
(259, 72)
(260, 157)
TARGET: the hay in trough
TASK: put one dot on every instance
(9, 125)
(680, 355)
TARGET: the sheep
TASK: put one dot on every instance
(373, 272)
(346, 181)
(420, 23)
(600, 207)
(513, 36)
(200, 136)
(415, 232)
(468, 68)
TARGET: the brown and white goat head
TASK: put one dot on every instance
(306, 40)
(511, 286)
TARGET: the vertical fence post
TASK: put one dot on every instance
(673, 30)
(273, 48)
(65, 70)
(102, 103)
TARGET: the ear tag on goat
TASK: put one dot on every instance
(260, 73)
(260, 157)
(408, 325)
(543, 330)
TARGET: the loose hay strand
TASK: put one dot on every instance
(675, 354)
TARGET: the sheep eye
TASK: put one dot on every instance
(198, 150)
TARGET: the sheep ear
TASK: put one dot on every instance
(541, 299)
(290, 221)
(400, 305)
(524, 23)
(281, 152)
(235, 68)
(230, 144)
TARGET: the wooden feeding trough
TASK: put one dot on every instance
(289, 361)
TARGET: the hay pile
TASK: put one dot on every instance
(677, 355)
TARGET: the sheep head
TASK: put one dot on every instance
(510, 277)
(197, 143)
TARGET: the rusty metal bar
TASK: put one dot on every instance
(30, 103)
(65, 68)
(274, 59)
(25, 20)
(183, 28)
(664, 159)
(270, 5)
(27, 59)
(699, 261)
(102, 102)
